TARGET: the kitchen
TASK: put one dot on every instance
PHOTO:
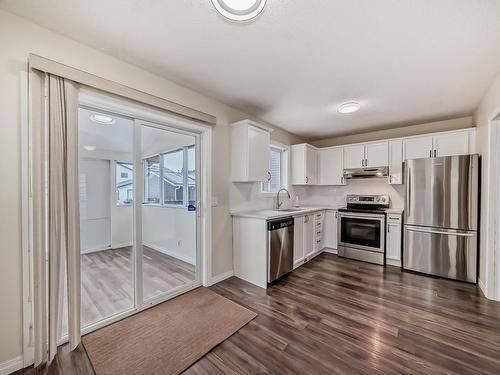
(356, 223)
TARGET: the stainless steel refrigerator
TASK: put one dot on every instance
(441, 217)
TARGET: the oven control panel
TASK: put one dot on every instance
(376, 200)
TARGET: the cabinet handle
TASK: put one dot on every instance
(336, 215)
(390, 179)
(388, 228)
(269, 176)
(307, 180)
(434, 153)
(430, 153)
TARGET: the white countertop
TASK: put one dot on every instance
(275, 214)
(395, 210)
(298, 211)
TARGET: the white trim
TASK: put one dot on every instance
(393, 262)
(483, 288)
(221, 277)
(11, 365)
(26, 217)
(330, 250)
(173, 254)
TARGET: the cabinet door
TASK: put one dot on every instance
(259, 154)
(298, 241)
(298, 160)
(331, 166)
(354, 156)
(330, 229)
(451, 144)
(377, 154)
(417, 148)
(308, 235)
(396, 162)
(311, 166)
(393, 252)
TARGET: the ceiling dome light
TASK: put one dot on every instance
(239, 10)
(102, 119)
(349, 107)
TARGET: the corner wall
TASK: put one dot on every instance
(487, 110)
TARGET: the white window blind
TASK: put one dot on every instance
(276, 181)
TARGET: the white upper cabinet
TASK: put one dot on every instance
(304, 165)
(366, 155)
(354, 156)
(250, 153)
(377, 154)
(450, 144)
(331, 166)
(396, 162)
(441, 144)
(417, 147)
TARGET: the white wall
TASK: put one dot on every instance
(487, 110)
(171, 231)
(396, 132)
(18, 38)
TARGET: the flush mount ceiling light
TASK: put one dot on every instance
(89, 148)
(349, 107)
(239, 10)
(102, 119)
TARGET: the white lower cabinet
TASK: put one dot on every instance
(298, 241)
(393, 240)
(330, 230)
(309, 236)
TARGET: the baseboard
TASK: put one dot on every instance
(11, 365)
(173, 254)
(220, 277)
(120, 245)
(393, 262)
(482, 286)
(330, 250)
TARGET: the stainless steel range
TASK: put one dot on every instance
(361, 228)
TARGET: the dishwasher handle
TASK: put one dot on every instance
(280, 223)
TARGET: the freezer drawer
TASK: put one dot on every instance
(441, 252)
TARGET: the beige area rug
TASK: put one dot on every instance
(168, 338)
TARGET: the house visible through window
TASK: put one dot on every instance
(275, 172)
(167, 176)
(124, 183)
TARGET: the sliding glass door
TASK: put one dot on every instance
(168, 210)
(139, 194)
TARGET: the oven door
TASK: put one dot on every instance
(362, 231)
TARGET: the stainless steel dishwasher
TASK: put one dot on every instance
(280, 248)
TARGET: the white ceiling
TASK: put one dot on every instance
(405, 61)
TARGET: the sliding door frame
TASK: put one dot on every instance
(150, 116)
(141, 303)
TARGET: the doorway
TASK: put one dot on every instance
(140, 197)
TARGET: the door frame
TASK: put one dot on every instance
(129, 108)
(491, 285)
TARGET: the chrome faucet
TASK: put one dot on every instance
(278, 203)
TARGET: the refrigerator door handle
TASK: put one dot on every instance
(408, 192)
(440, 232)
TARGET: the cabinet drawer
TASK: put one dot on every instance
(319, 216)
(318, 224)
(318, 233)
(394, 219)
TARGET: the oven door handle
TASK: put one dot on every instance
(351, 216)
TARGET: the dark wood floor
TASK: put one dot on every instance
(337, 316)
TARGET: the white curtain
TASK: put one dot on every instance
(56, 219)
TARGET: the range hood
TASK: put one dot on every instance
(378, 172)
